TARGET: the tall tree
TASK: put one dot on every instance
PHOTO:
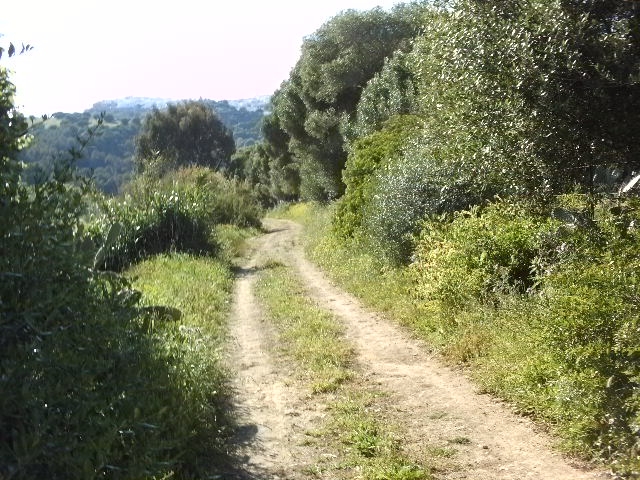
(184, 134)
(325, 87)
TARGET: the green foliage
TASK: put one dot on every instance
(273, 178)
(479, 256)
(283, 171)
(521, 283)
(184, 134)
(176, 213)
(191, 392)
(367, 155)
(91, 386)
(326, 84)
(406, 192)
(505, 90)
(109, 157)
(244, 122)
(390, 92)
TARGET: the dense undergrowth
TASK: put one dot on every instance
(178, 212)
(190, 394)
(541, 308)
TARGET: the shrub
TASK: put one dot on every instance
(173, 214)
(90, 385)
(482, 253)
(590, 303)
(367, 155)
(548, 312)
(409, 190)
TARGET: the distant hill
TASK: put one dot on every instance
(109, 157)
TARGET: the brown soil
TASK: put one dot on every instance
(433, 406)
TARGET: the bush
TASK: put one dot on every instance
(547, 310)
(176, 214)
(590, 301)
(91, 384)
(367, 155)
(408, 191)
(480, 255)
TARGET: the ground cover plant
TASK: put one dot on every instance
(195, 421)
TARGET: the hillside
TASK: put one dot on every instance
(109, 155)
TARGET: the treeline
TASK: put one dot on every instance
(488, 150)
(109, 156)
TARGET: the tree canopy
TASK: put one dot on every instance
(184, 134)
(325, 86)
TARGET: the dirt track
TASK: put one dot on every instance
(432, 404)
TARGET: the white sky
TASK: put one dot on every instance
(91, 50)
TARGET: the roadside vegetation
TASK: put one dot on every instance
(107, 372)
(556, 347)
(478, 162)
(485, 177)
(365, 445)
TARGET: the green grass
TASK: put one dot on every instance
(365, 445)
(197, 415)
(309, 334)
(232, 240)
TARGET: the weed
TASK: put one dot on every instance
(460, 441)
(544, 315)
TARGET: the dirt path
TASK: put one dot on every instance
(273, 412)
(432, 404)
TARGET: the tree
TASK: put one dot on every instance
(325, 87)
(184, 134)
(392, 91)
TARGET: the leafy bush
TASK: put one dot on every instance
(479, 255)
(409, 190)
(548, 312)
(592, 299)
(177, 213)
(390, 92)
(91, 385)
(367, 155)
(85, 390)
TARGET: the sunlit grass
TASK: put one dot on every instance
(504, 347)
(309, 334)
(233, 240)
(200, 288)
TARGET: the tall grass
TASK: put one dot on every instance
(178, 212)
(192, 389)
